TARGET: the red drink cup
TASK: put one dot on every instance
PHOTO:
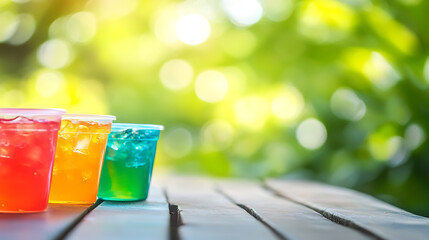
(28, 138)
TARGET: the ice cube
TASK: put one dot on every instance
(98, 138)
(66, 135)
(115, 145)
(67, 127)
(128, 146)
(147, 134)
(127, 133)
(21, 139)
(33, 156)
(82, 129)
(82, 143)
(140, 148)
(115, 135)
(135, 163)
(115, 152)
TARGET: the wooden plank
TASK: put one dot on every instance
(206, 214)
(45, 225)
(148, 219)
(292, 220)
(355, 209)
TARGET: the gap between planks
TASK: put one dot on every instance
(64, 234)
(175, 219)
(254, 214)
(334, 218)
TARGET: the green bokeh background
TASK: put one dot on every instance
(330, 90)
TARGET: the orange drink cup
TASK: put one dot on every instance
(79, 156)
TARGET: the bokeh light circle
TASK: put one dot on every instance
(325, 21)
(211, 86)
(345, 104)
(48, 83)
(81, 27)
(288, 104)
(164, 25)
(193, 29)
(414, 136)
(380, 72)
(176, 74)
(54, 53)
(311, 133)
(278, 10)
(243, 13)
(8, 25)
(24, 30)
(252, 111)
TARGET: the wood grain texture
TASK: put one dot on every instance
(45, 225)
(355, 209)
(148, 219)
(206, 214)
(292, 220)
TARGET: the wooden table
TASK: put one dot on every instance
(200, 208)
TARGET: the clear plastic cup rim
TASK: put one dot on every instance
(119, 126)
(88, 117)
(31, 111)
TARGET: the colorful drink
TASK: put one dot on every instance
(128, 162)
(80, 149)
(27, 146)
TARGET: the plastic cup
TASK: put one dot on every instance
(128, 163)
(27, 146)
(81, 145)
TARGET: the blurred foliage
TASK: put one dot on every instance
(332, 90)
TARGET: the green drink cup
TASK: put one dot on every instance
(128, 162)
